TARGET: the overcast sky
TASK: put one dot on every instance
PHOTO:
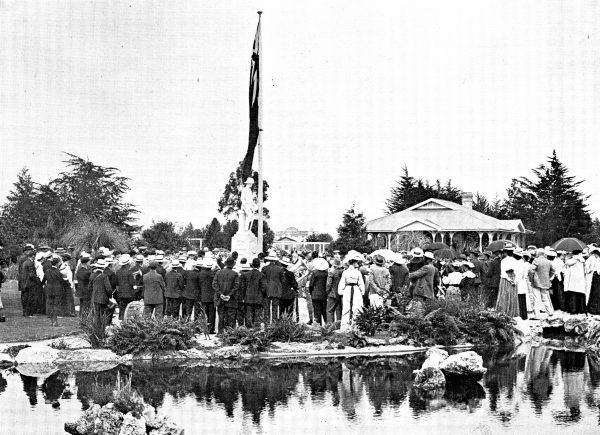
(476, 91)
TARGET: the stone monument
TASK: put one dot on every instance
(244, 242)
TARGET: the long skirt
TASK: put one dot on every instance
(557, 295)
(575, 302)
(508, 301)
(352, 304)
(523, 306)
(593, 306)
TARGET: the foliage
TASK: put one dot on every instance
(594, 235)
(94, 328)
(162, 235)
(411, 191)
(142, 334)
(551, 204)
(352, 233)
(256, 339)
(189, 232)
(86, 233)
(408, 240)
(93, 190)
(121, 395)
(319, 237)
(442, 323)
(287, 329)
(230, 201)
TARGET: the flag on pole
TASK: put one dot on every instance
(253, 102)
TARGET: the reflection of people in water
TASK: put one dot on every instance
(30, 388)
(3, 384)
(537, 376)
(572, 375)
(351, 391)
(53, 388)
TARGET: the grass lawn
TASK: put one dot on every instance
(18, 328)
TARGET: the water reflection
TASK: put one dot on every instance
(556, 386)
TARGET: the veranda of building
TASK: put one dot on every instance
(443, 221)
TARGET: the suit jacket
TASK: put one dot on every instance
(317, 286)
(191, 283)
(29, 276)
(125, 282)
(333, 281)
(540, 271)
(55, 285)
(205, 279)
(226, 282)
(289, 289)
(83, 283)
(253, 287)
(275, 279)
(101, 288)
(174, 283)
(154, 288)
(493, 273)
(399, 274)
(424, 281)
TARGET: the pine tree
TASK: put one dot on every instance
(20, 214)
(352, 233)
(551, 205)
(162, 235)
(211, 237)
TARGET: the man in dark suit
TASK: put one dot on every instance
(226, 285)
(275, 277)
(174, 283)
(191, 289)
(253, 293)
(493, 278)
(83, 281)
(125, 283)
(154, 290)
(55, 288)
(207, 293)
(101, 292)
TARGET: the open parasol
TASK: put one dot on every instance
(497, 245)
(435, 246)
(569, 244)
(444, 253)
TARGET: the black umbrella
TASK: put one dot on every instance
(444, 253)
(497, 245)
(435, 246)
(569, 244)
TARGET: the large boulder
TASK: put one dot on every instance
(89, 360)
(164, 426)
(85, 424)
(577, 325)
(133, 425)
(429, 378)
(228, 352)
(435, 356)
(37, 355)
(108, 421)
(70, 343)
(469, 364)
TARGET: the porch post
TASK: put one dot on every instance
(480, 234)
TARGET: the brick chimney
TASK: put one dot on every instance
(467, 199)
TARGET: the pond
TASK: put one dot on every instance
(537, 390)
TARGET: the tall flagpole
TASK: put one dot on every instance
(260, 134)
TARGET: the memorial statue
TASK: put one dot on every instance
(248, 208)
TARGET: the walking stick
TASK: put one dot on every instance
(297, 308)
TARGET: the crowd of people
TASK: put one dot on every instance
(227, 291)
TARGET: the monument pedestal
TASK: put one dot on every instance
(245, 244)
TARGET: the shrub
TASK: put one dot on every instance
(144, 334)
(370, 319)
(94, 328)
(256, 339)
(287, 329)
(121, 395)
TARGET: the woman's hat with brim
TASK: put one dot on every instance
(509, 247)
(398, 259)
(379, 260)
(353, 255)
(429, 255)
(320, 264)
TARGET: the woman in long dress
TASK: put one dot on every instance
(593, 306)
(521, 278)
(574, 275)
(557, 295)
(508, 301)
(352, 289)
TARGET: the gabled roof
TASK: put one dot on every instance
(441, 215)
(286, 239)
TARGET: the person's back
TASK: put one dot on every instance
(174, 283)
(154, 286)
(101, 288)
(83, 276)
(253, 287)
(191, 288)
(125, 282)
(424, 281)
(399, 275)
(540, 272)
(274, 276)
(205, 279)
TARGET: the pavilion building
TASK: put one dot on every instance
(456, 225)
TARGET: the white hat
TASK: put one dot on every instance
(429, 255)
(417, 252)
(139, 257)
(208, 263)
(160, 258)
(159, 252)
(190, 253)
(249, 180)
(398, 259)
(271, 256)
(124, 259)
(85, 255)
(469, 265)
(353, 255)
(551, 252)
(100, 263)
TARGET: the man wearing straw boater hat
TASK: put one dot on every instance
(101, 291)
(125, 283)
(174, 288)
(83, 291)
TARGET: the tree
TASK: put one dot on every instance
(162, 235)
(319, 237)
(594, 235)
(211, 237)
(551, 205)
(87, 233)
(352, 233)
(230, 201)
(20, 215)
(97, 191)
(411, 191)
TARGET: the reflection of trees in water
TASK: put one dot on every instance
(86, 382)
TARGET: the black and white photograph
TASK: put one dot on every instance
(312, 217)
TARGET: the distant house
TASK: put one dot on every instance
(293, 239)
(446, 222)
(294, 233)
